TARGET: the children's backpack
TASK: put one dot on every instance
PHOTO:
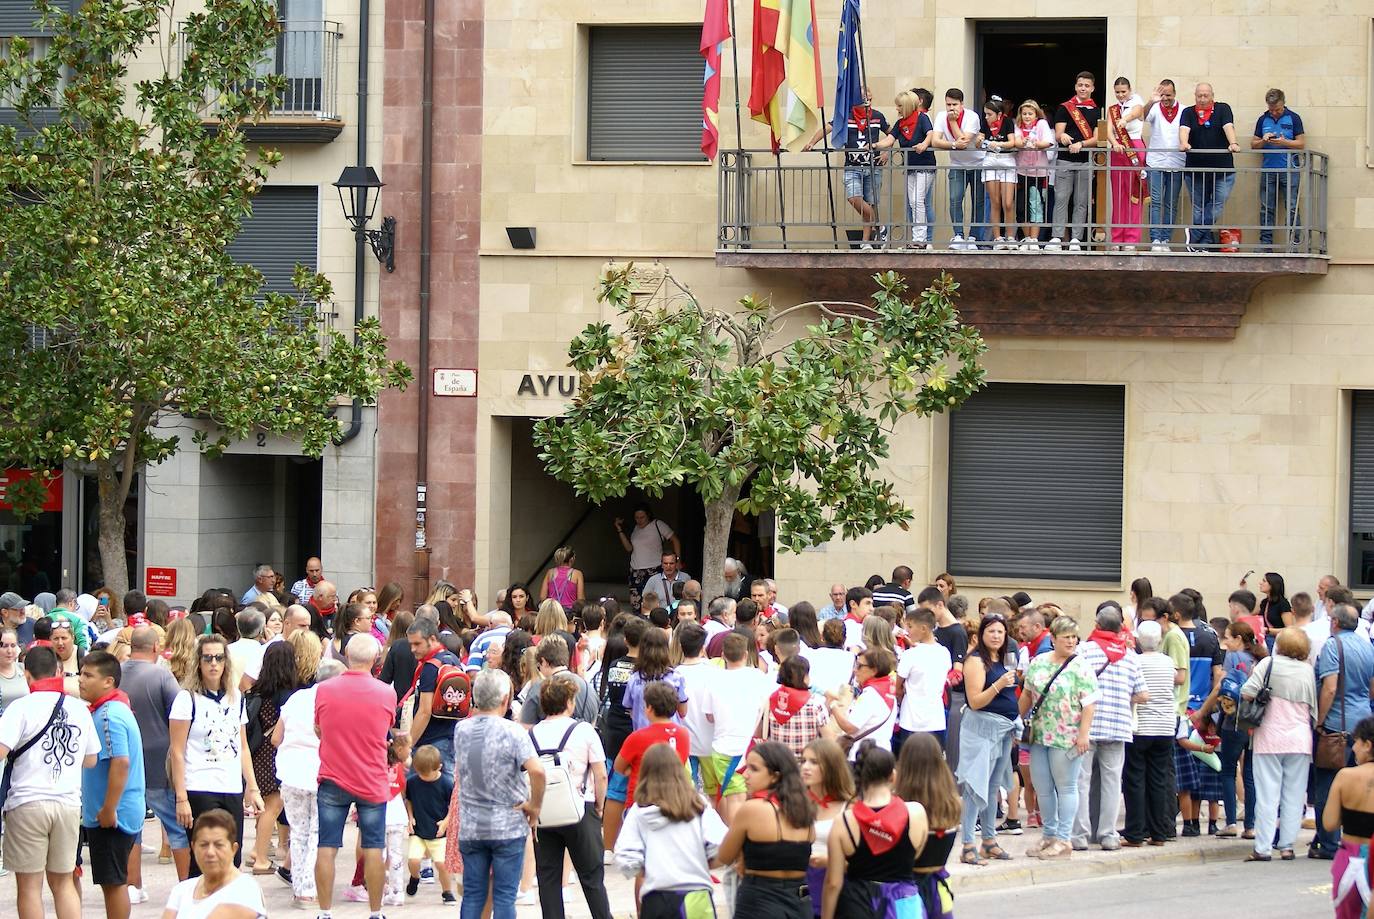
(452, 693)
(563, 802)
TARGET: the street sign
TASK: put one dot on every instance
(455, 382)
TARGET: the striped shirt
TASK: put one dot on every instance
(1116, 683)
(1157, 717)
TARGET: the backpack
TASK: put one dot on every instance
(563, 803)
(452, 694)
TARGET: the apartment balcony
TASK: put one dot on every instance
(306, 110)
(791, 214)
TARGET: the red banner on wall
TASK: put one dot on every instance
(53, 501)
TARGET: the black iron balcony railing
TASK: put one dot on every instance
(801, 203)
(306, 55)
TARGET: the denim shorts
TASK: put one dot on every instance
(618, 786)
(860, 181)
(334, 802)
(162, 802)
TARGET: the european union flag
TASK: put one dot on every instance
(849, 84)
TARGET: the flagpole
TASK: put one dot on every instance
(740, 197)
(829, 186)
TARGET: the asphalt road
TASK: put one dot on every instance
(1217, 890)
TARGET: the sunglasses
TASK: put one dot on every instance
(994, 617)
(212, 658)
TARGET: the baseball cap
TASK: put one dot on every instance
(12, 600)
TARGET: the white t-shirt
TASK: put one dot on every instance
(212, 744)
(831, 668)
(735, 700)
(582, 749)
(1162, 150)
(970, 122)
(246, 653)
(396, 811)
(298, 757)
(870, 709)
(713, 628)
(853, 635)
(647, 544)
(48, 772)
(1133, 128)
(923, 669)
(1317, 634)
(241, 891)
(698, 678)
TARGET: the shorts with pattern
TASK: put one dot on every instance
(714, 770)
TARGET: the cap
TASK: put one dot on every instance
(1021, 599)
(12, 600)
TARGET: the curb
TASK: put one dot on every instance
(1059, 871)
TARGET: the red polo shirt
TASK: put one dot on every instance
(354, 713)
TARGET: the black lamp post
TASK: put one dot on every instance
(359, 188)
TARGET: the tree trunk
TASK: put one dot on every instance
(113, 494)
(716, 542)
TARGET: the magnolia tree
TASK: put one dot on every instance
(712, 399)
(122, 306)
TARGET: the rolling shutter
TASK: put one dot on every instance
(644, 93)
(1362, 462)
(282, 231)
(1035, 482)
(18, 17)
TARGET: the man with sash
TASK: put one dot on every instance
(1207, 135)
(1124, 123)
(1165, 160)
(1075, 127)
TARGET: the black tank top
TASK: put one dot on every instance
(939, 845)
(893, 865)
(778, 855)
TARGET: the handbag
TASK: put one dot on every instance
(1333, 749)
(1030, 715)
(847, 742)
(1250, 712)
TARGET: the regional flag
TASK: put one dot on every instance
(849, 84)
(768, 70)
(796, 40)
(715, 29)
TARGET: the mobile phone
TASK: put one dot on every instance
(1246, 575)
(104, 601)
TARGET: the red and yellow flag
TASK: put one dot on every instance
(768, 70)
(796, 41)
(715, 29)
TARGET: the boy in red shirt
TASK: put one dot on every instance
(660, 704)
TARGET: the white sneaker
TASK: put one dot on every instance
(1053, 245)
(394, 899)
(1129, 250)
(1029, 245)
(1074, 245)
(137, 895)
(526, 898)
(865, 245)
(957, 243)
(1160, 247)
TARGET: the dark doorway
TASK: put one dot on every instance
(1038, 59)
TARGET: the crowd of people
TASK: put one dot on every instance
(1026, 169)
(790, 761)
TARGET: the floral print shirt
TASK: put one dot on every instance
(1056, 721)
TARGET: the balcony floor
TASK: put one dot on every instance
(1175, 295)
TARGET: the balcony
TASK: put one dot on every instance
(792, 214)
(306, 111)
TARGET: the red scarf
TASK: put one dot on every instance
(907, 125)
(1113, 644)
(822, 801)
(850, 617)
(786, 702)
(883, 829)
(995, 127)
(327, 613)
(415, 681)
(954, 125)
(49, 684)
(1073, 103)
(862, 115)
(40, 643)
(114, 695)
(313, 581)
(1204, 115)
(883, 684)
(1169, 112)
(137, 620)
(1035, 642)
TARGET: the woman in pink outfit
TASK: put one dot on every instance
(1125, 119)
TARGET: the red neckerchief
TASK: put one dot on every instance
(882, 829)
(1204, 115)
(1170, 113)
(954, 127)
(907, 125)
(415, 681)
(327, 613)
(397, 781)
(137, 620)
(1035, 643)
(862, 115)
(313, 581)
(822, 801)
(49, 684)
(995, 127)
(1073, 103)
(765, 795)
(850, 617)
(114, 695)
(40, 643)
(883, 684)
(786, 702)
(1113, 644)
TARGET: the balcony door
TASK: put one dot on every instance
(299, 57)
(1022, 59)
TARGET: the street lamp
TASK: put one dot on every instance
(356, 186)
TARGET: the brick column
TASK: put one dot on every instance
(455, 212)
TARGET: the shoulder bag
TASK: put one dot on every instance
(1034, 709)
(1333, 748)
(1250, 712)
(23, 748)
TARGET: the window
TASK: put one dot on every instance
(1035, 483)
(644, 93)
(282, 232)
(1361, 489)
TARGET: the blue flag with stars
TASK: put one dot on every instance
(849, 84)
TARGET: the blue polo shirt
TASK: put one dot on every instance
(1359, 670)
(1288, 126)
(118, 734)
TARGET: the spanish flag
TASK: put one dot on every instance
(796, 41)
(768, 68)
(715, 29)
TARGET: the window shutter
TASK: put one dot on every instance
(282, 231)
(1362, 462)
(644, 93)
(19, 17)
(1035, 482)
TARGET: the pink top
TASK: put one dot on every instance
(1286, 728)
(354, 714)
(562, 587)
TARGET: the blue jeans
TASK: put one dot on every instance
(333, 803)
(1165, 185)
(1233, 745)
(1055, 774)
(1208, 191)
(1327, 840)
(494, 862)
(959, 180)
(1272, 184)
(162, 802)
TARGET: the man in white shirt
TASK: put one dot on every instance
(721, 617)
(698, 673)
(858, 603)
(54, 738)
(734, 704)
(957, 130)
(1165, 162)
(921, 672)
(246, 653)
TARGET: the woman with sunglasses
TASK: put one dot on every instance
(209, 759)
(985, 734)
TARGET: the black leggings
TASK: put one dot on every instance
(202, 801)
